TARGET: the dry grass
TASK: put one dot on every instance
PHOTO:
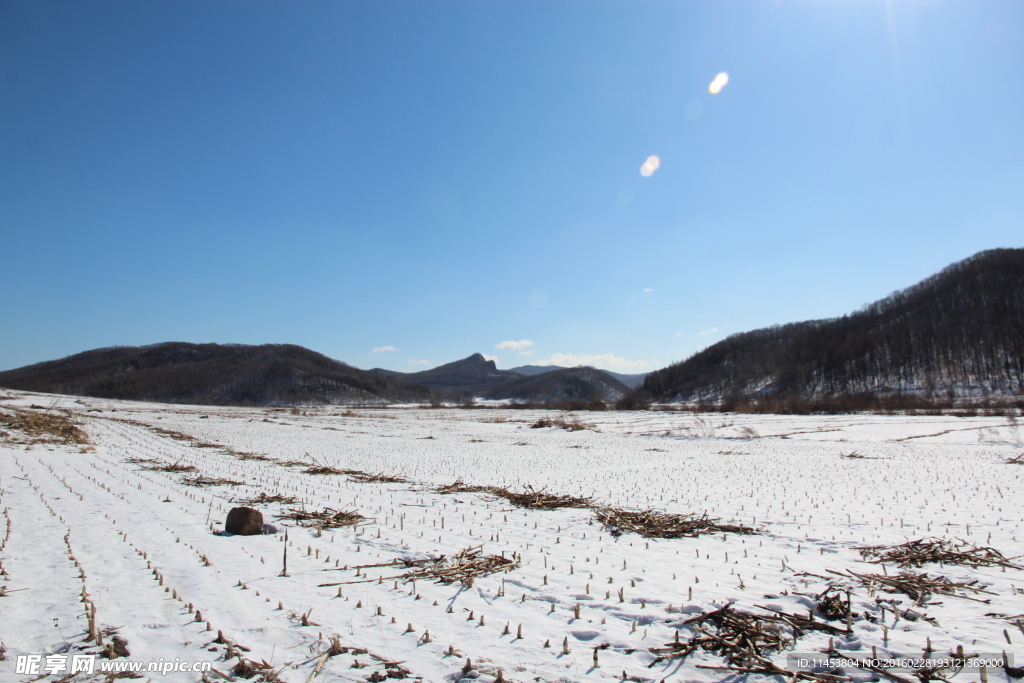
(653, 524)
(924, 550)
(48, 427)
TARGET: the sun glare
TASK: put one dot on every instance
(650, 166)
(716, 85)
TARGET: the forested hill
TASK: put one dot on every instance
(562, 384)
(961, 330)
(178, 372)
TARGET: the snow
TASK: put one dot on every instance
(920, 476)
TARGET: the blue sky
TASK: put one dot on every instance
(438, 178)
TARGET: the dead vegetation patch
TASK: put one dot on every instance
(1016, 460)
(47, 427)
(745, 640)
(654, 524)
(532, 499)
(465, 566)
(293, 463)
(920, 587)
(919, 552)
(366, 478)
(248, 668)
(241, 455)
(358, 476)
(264, 499)
(573, 423)
(191, 440)
(328, 518)
(170, 467)
(201, 481)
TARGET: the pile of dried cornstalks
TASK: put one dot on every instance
(919, 587)
(464, 566)
(532, 499)
(201, 481)
(42, 427)
(924, 550)
(172, 467)
(355, 475)
(328, 518)
(653, 524)
(745, 639)
(367, 478)
(264, 499)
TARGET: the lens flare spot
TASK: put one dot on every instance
(650, 166)
(716, 85)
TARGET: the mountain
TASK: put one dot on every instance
(630, 381)
(960, 332)
(230, 374)
(563, 384)
(471, 376)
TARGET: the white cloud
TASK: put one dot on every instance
(711, 331)
(413, 361)
(605, 361)
(486, 357)
(382, 349)
(649, 290)
(515, 345)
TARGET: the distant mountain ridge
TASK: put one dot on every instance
(229, 374)
(562, 385)
(630, 381)
(477, 376)
(469, 376)
(959, 332)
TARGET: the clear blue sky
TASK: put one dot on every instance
(441, 177)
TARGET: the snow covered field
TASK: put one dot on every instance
(147, 550)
